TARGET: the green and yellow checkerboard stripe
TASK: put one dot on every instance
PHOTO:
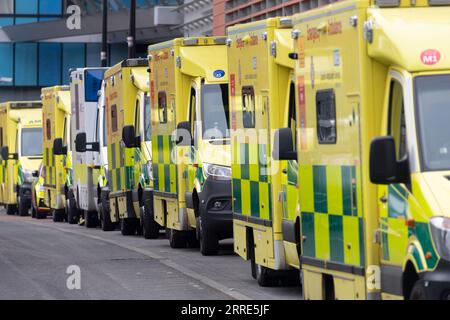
(331, 213)
(164, 171)
(122, 175)
(50, 167)
(395, 232)
(251, 183)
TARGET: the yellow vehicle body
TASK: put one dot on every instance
(126, 90)
(20, 124)
(188, 83)
(364, 71)
(56, 111)
(265, 191)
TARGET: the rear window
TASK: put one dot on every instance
(92, 84)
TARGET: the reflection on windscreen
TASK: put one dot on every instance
(147, 120)
(31, 142)
(433, 110)
(215, 116)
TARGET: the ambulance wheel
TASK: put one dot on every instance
(209, 244)
(418, 292)
(91, 219)
(263, 277)
(176, 238)
(72, 211)
(40, 216)
(139, 227)
(253, 267)
(33, 212)
(105, 217)
(128, 226)
(58, 215)
(150, 226)
(11, 209)
(22, 207)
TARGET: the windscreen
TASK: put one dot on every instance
(93, 81)
(31, 142)
(432, 95)
(215, 115)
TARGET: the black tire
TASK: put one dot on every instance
(176, 238)
(33, 212)
(40, 216)
(72, 212)
(209, 244)
(59, 215)
(22, 207)
(128, 226)
(91, 219)
(105, 215)
(263, 276)
(253, 267)
(418, 292)
(150, 226)
(11, 209)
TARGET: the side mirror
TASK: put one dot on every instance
(129, 137)
(5, 153)
(384, 167)
(183, 134)
(283, 148)
(58, 147)
(7, 156)
(80, 142)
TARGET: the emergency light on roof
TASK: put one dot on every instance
(26, 105)
(135, 62)
(286, 22)
(387, 3)
(190, 42)
(439, 2)
(221, 40)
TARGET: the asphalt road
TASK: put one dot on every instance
(35, 256)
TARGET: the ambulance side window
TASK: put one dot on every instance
(162, 107)
(397, 123)
(248, 105)
(326, 116)
(137, 124)
(292, 120)
(114, 118)
(48, 129)
(192, 111)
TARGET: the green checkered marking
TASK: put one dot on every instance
(251, 183)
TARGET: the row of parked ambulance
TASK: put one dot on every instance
(319, 142)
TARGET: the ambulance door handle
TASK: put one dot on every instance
(383, 199)
(284, 171)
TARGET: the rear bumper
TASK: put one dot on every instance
(437, 283)
(216, 209)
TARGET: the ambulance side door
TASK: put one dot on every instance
(393, 198)
(192, 151)
(289, 171)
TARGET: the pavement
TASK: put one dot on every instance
(40, 259)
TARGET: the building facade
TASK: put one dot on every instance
(197, 18)
(230, 12)
(37, 48)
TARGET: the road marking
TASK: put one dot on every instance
(167, 262)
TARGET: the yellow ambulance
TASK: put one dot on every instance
(191, 167)
(265, 190)
(21, 151)
(56, 112)
(129, 145)
(373, 85)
